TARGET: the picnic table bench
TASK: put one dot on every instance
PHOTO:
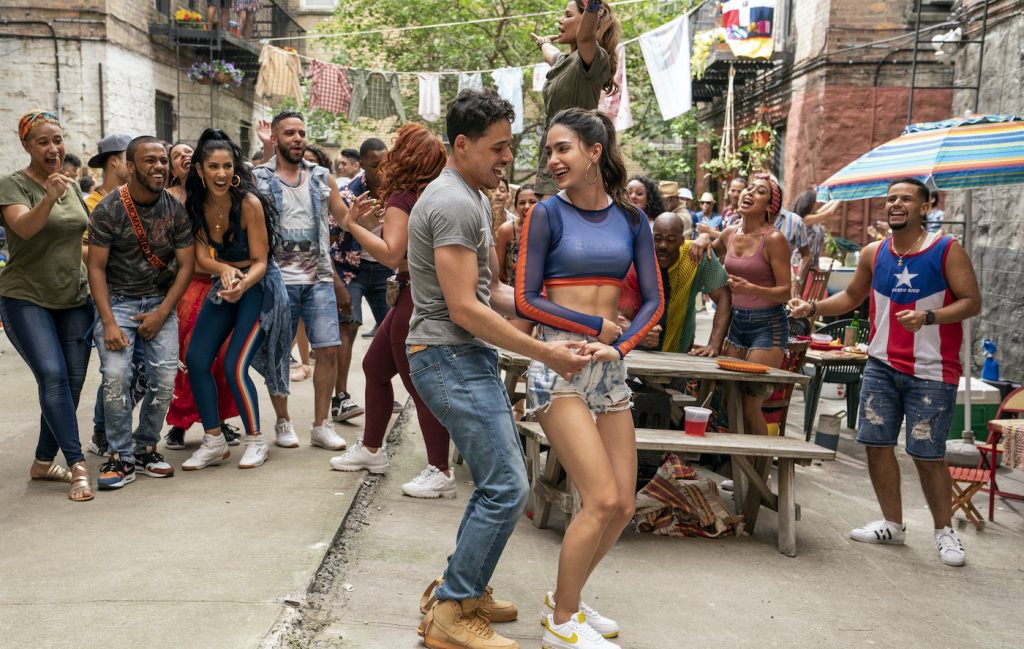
(548, 489)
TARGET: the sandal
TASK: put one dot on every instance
(80, 484)
(54, 472)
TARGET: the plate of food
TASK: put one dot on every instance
(736, 365)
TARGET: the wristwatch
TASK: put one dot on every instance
(929, 317)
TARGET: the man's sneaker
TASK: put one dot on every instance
(284, 434)
(574, 634)
(495, 610)
(256, 451)
(116, 473)
(885, 532)
(230, 433)
(213, 450)
(358, 458)
(430, 483)
(344, 408)
(153, 464)
(454, 623)
(606, 626)
(175, 438)
(951, 550)
(325, 436)
(98, 444)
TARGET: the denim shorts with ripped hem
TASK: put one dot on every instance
(602, 385)
(888, 397)
(759, 328)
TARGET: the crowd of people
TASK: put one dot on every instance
(186, 266)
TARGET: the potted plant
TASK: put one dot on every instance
(188, 18)
(724, 167)
(201, 72)
(226, 73)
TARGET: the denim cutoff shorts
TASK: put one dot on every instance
(759, 328)
(602, 385)
(888, 397)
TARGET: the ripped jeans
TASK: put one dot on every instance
(888, 396)
(161, 362)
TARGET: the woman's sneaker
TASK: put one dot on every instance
(175, 438)
(256, 451)
(431, 483)
(359, 457)
(574, 634)
(212, 451)
(325, 436)
(344, 408)
(606, 626)
(885, 532)
(284, 434)
(98, 444)
(951, 550)
(231, 434)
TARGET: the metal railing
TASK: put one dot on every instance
(271, 20)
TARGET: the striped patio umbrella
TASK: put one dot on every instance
(960, 153)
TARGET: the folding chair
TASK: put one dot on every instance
(815, 287)
(776, 406)
(1011, 407)
(966, 483)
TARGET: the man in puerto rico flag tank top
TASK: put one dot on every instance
(922, 287)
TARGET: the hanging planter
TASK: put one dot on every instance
(723, 168)
(201, 72)
(220, 72)
(189, 19)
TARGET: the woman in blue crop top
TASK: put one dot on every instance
(577, 246)
(234, 229)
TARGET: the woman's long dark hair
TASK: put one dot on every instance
(609, 31)
(655, 204)
(195, 190)
(593, 127)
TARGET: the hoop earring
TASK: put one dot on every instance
(202, 180)
(586, 174)
(236, 180)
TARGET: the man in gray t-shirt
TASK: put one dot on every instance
(453, 269)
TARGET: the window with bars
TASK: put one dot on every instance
(245, 137)
(164, 116)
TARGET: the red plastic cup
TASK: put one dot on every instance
(696, 420)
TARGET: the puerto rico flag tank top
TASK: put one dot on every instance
(918, 284)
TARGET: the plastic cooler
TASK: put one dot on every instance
(985, 400)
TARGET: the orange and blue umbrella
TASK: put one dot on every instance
(961, 153)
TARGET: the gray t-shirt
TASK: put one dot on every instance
(448, 212)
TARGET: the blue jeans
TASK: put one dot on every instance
(888, 396)
(318, 308)
(161, 357)
(372, 283)
(52, 343)
(461, 386)
(99, 419)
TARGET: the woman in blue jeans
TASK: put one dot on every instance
(234, 228)
(44, 295)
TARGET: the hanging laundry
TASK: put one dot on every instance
(617, 106)
(471, 80)
(329, 87)
(667, 56)
(748, 27)
(510, 88)
(430, 96)
(280, 74)
(540, 75)
(375, 95)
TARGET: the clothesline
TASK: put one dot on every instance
(475, 21)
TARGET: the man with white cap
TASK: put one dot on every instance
(686, 199)
(670, 195)
(112, 161)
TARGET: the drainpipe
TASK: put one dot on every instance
(56, 57)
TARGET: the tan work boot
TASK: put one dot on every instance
(460, 625)
(495, 610)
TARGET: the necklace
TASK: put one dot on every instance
(220, 217)
(907, 251)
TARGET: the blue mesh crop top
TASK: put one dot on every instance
(563, 245)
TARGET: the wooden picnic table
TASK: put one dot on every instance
(822, 361)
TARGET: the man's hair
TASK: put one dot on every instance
(351, 154)
(72, 159)
(473, 112)
(139, 141)
(742, 179)
(922, 188)
(286, 114)
(369, 145)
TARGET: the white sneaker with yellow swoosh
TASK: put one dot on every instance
(574, 634)
(606, 626)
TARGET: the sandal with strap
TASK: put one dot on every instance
(54, 472)
(80, 484)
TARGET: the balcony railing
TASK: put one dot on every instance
(271, 20)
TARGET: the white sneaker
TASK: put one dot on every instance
(256, 451)
(325, 436)
(284, 434)
(359, 457)
(606, 626)
(885, 532)
(951, 550)
(213, 450)
(574, 634)
(430, 483)
(726, 485)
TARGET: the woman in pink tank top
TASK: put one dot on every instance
(757, 260)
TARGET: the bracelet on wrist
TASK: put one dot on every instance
(814, 308)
